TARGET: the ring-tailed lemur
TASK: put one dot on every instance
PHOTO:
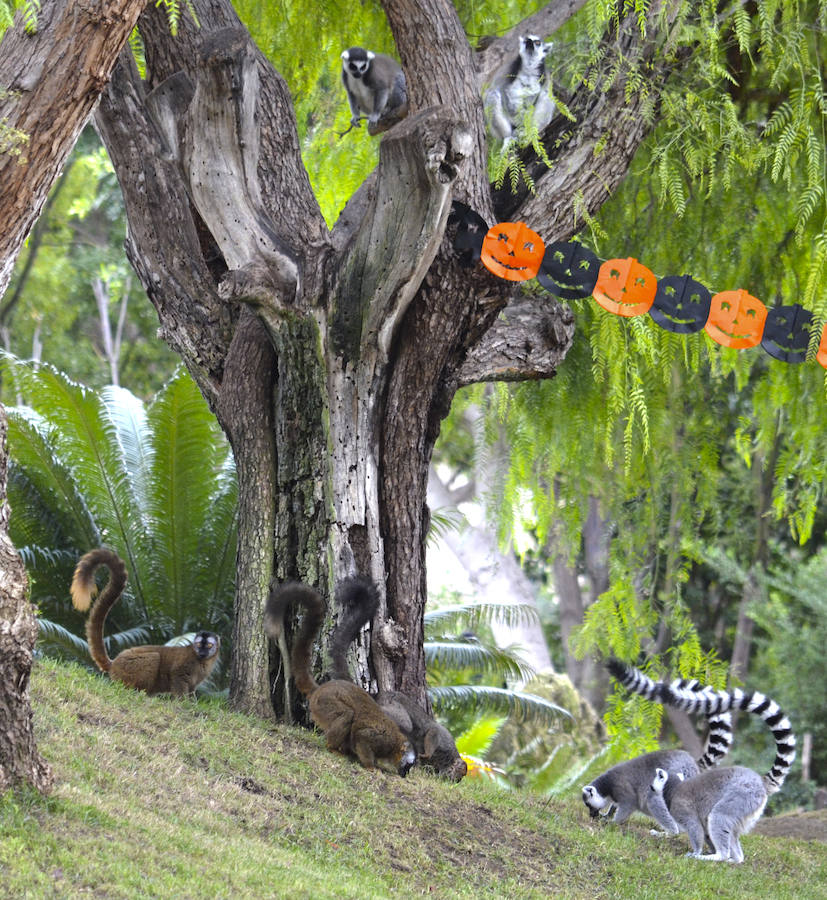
(725, 802)
(375, 86)
(519, 87)
(627, 786)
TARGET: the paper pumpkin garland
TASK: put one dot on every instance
(625, 287)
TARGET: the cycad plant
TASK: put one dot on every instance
(468, 678)
(154, 482)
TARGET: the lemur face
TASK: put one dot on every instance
(533, 50)
(594, 801)
(357, 61)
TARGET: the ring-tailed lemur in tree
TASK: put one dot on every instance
(726, 802)
(518, 89)
(375, 86)
(627, 786)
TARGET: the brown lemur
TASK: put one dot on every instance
(358, 601)
(155, 669)
(352, 722)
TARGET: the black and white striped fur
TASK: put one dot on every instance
(627, 786)
(725, 802)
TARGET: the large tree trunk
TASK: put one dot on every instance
(19, 760)
(331, 357)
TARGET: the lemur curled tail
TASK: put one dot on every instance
(156, 669)
(723, 802)
(719, 739)
(358, 601)
(627, 786)
(351, 720)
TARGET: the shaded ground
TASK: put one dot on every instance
(806, 826)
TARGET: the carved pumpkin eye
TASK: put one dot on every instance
(736, 319)
(787, 333)
(625, 287)
(512, 251)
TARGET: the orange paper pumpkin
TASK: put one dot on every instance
(512, 251)
(821, 355)
(625, 287)
(736, 319)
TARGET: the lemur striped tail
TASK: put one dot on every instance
(691, 697)
(719, 738)
(706, 700)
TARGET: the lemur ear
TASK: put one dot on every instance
(371, 54)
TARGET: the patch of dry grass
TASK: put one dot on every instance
(162, 798)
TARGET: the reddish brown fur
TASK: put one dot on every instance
(351, 721)
(153, 668)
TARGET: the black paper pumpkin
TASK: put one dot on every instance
(681, 304)
(569, 270)
(787, 333)
(471, 231)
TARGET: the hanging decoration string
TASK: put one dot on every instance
(625, 287)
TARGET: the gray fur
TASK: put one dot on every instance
(521, 85)
(722, 803)
(626, 786)
(435, 748)
(375, 85)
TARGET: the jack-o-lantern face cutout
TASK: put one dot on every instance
(681, 304)
(569, 270)
(736, 319)
(625, 287)
(513, 251)
(787, 333)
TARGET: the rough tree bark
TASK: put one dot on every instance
(74, 44)
(330, 357)
(20, 761)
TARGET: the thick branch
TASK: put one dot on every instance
(217, 144)
(400, 232)
(75, 47)
(528, 340)
(445, 76)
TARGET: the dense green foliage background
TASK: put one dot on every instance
(708, 464)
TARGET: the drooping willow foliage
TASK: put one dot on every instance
(676, 436)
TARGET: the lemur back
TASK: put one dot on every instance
(722, 802)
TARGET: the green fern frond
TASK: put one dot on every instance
(136, 45)
(480, 698)
(457, 655)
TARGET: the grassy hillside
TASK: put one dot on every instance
(163, 798)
